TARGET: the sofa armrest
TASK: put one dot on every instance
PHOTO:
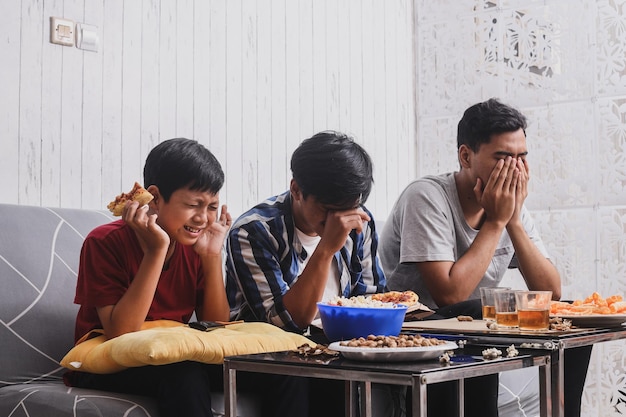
(39, 254)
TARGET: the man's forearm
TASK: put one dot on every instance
(301, 299)
(467, 272)
(539, 273)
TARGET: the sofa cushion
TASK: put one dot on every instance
(57, 400)
(165, 341)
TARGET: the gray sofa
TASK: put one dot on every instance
(39, 252)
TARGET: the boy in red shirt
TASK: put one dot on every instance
(161, 261)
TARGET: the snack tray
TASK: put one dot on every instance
(387, 354)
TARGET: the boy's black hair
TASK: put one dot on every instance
(482, 120)
(182, 163)
(333, 168)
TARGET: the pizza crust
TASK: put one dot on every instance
(407, 298)
(138, 193)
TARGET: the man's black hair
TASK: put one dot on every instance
(483, 120)
(182, 163)
(333, 168)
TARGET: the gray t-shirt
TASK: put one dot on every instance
(427, 224)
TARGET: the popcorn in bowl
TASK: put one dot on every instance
(359, 301)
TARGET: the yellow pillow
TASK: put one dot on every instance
(163, 341)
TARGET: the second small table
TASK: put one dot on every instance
(553, 343)
(466, 363)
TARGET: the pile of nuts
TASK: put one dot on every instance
(317, 351)
(560, 324)
(404, 340)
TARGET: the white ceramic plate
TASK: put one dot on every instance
(401, 354)
(595, 320)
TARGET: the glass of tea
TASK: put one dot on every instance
(488, 303)
(533, 309)
(506, 308)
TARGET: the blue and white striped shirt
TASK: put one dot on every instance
(263, 262)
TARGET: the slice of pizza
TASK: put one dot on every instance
(407, 298)
(138, 193)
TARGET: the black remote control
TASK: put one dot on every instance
(205, 326)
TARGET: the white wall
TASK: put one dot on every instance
(249, 79)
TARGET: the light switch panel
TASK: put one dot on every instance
(62, 31)
(87, 37)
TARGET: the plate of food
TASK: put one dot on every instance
(366, 350)
(593, 311)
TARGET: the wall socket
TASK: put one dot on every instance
(62, 31)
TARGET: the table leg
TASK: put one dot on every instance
(460, 390)
(352, 398)
(418, 392)
(366, 399)
(557, 379)
(230, 391)
(545, 398)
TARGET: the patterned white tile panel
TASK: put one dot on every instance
(605, 388)
(612, 151)
(611, 47)
(456, 63)
(546, 53)
(437, 146)
(562, 176)
(572, 248)
(451, 9)
(612, 251)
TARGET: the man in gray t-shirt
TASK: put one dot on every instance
(427, 224)
(450, 234)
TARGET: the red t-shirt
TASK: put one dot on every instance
(109, 261)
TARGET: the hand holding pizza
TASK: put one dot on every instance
(138, 194)
(148, 231)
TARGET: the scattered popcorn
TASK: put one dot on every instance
(527, 345)
(359, 301)
(445, 358)
(511, 352)
(492, 353)
(492, 325)
(545, 345)
(550, 345)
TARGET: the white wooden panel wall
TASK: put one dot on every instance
(250, 79)
(9, 103)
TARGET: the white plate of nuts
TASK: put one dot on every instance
(400, 348)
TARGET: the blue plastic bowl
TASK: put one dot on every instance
(345, 323)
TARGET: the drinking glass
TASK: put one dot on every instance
(488, 303)
(533, 309)
(506, 308)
